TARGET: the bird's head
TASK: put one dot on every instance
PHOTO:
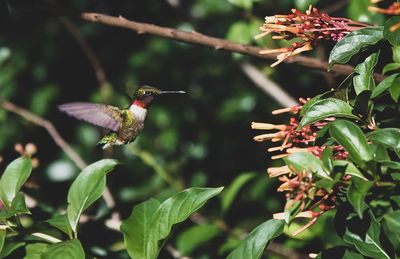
(144, 95)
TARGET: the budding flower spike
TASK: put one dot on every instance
(309, 27)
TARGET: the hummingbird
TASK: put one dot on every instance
(124, 124)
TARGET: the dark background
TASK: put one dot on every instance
(202, 138)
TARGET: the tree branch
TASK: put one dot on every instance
(68, 150)
(216, 43)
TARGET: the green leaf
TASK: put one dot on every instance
(325, 108)
(142, 236)
(87, 188)
(239, 32)
(61, 222)
(18, 206)
(390, 67)
(71, 249)
(137, 227)
(228, 196)
(327, 158)
(245, 4)
(9, 248)
(385, 85)
(396, 54)
(392, 36)
(365, 70)
(15, 175)
(196, 236)
(348, 168)
(356, 194)
(309, 103)
(3, 232)
(304, 161)
(363, 104)
(35, 251)
(353, 43)
(254, 244)
(365, 235)
(350, 136)
(389, 137)
(393, 221)
(391, 226)
(395, 90)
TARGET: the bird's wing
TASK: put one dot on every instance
(105, 116)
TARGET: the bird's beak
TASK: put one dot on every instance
(172, 92)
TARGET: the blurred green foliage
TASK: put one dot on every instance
(201, 139)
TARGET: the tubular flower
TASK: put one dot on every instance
(294, 139)
(393, 9)
(300, 187)
(309, 27)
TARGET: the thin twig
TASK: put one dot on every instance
(87, 50)
(216, 43)
(268, 86)
(68, 150)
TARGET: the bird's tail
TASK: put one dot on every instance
(108, 140)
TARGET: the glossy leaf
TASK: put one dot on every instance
(365, 70)
(9, 248)
(18, 206)
(71, 249)
(304, 161)
(366, 238)
(137, 227)
(390, 67)
(389, 137)
(87, 188)
(143, 242)
(254, 244)
(392, 36)
(353, 43)
(385, 85)
(396, 54)
(195, 236)
(391, 226)
(325, 108)
(229, 194)
(395, 90)
(35, 251)
(310, 103)
(393, 221)
(61, 222)
(348, 168)
(350, 136)
(363, 104)
(327, 158)
(15, 175)
(356, 194)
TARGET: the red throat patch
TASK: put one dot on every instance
(139, 103)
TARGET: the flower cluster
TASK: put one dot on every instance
(299, 185)
(309, 27)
